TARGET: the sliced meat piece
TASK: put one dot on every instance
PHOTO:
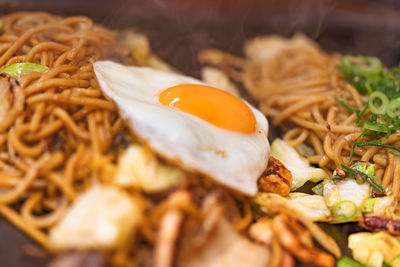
(378, 224)
(275, 179)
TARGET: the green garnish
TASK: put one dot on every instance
(393, 109)
(368, 205)
(367, 178)
(19, 68)
(343, 211)
(383, 87)
(378, 102)
(345, 105)
(347, 262)
(377, 143)
(318, 189)
(364, 167)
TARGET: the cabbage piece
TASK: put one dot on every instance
(218, 79)
(379, 206)
(139, 168)
(347, 189)
(297, 165)
(104, 217)
(375, 249)
(19, 68)
(313, 206)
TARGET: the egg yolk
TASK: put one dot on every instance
(212, 105)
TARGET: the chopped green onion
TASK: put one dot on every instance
(377, 143)
(377, 127)
(19, 68)
(368, 205)
(361, 66)
(365, 176)
(318, 189)
(345, 105)
(365, 167)
(355, 144)
(347, 262)
(343, 211)
(394, 154)
(393, 109)
(378, 102)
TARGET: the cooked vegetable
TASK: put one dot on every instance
(345, 198)
(19, 68)
(393, 109)
(369, 179)
(378, 102)
(365, 167)
(330, 192)
(343, 211)
(102, 218)
(297, 165)
(218, 79)
(312, 205)
(347, 262)
(358, 68)
(139, 168)
(379, 206)
(375, 249)
(368, 76)
(368, 205)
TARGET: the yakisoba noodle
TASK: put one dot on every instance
(65, 122)
(296, 86)
(60, 131)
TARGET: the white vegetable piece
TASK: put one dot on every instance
(138, 167)
(381, 207)
(350, 190)
(312, 206)
(104, 217)
(297, 165)
(218, 79)
(346, 189)
(374, 249)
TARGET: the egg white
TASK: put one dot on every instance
(231, 158)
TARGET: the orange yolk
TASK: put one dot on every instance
(212, 105)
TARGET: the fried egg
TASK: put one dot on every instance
(198, 127)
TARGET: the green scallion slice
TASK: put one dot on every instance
(393, 109)
(362, 66)
(347, 262)
(19, 68)
(343, 211)
(378, 102)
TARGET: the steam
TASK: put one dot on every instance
(178, 29)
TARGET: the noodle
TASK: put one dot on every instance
(61, 136)
(296, 88)
(47, 139)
